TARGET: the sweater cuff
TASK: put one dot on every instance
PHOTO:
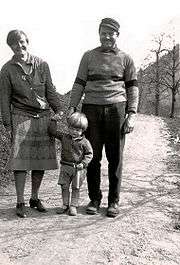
(132, 99)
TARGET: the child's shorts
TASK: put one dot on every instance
(69, 174)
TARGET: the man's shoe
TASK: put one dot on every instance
(177, 226)
(113, 210)
(72, 210)
(21, 210)
(62, 210)
(37, 204)
(93, 207)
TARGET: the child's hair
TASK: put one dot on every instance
(78, 120)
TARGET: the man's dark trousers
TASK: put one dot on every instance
(105, 128)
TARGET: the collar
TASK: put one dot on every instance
(78, 138)
(30, 59)
(114, 50)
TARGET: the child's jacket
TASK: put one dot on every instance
(73, 151)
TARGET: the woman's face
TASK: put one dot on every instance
(20, 46)
(108, 37)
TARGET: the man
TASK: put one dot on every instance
(107, 79)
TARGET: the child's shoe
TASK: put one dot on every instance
(72, 210)
(63, 209)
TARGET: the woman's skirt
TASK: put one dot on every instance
(32, 148)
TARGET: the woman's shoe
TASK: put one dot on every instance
(21, 210)
(37, 204)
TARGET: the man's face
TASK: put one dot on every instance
(19, 47)
(108, 37)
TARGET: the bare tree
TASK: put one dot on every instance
(160, 76)
(158, 68)
(171, 79)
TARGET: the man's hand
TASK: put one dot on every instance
(80, 166)
(129, 123)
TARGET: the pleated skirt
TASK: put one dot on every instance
(32, 148)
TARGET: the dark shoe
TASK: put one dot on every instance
(93, 207)
(37, 204)
(113, 210)
(21, 210)
(177, 226)
(62, 210)
(72, 210)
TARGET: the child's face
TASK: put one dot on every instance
(75, 132)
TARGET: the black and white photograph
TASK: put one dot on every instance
(90, 132)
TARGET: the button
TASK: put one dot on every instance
(36, 116)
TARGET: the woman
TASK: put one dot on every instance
(27, 94)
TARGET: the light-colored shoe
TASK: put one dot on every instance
(72, 210)
(92, 207)
(113, 210)
(63, 209)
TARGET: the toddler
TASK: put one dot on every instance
(76, 154)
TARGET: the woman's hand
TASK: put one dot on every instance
(70, 111)
(57, 116)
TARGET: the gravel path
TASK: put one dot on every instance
(142, 234)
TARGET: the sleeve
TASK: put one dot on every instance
(51, 93)
(80, 81)
(88, 154)
(5, 95)
(131, 86)
(53, 130)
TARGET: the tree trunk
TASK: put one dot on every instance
(172, 105)
(157, 103)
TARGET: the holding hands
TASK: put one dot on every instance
(80, 166)
(70, 111)
(58, 116)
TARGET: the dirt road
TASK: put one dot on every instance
(142, 234)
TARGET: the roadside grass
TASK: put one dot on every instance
(5, 175)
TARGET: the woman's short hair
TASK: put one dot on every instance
(78, 120)
(14, 35)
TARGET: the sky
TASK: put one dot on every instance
(61, 31)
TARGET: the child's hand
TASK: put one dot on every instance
(80, 166)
